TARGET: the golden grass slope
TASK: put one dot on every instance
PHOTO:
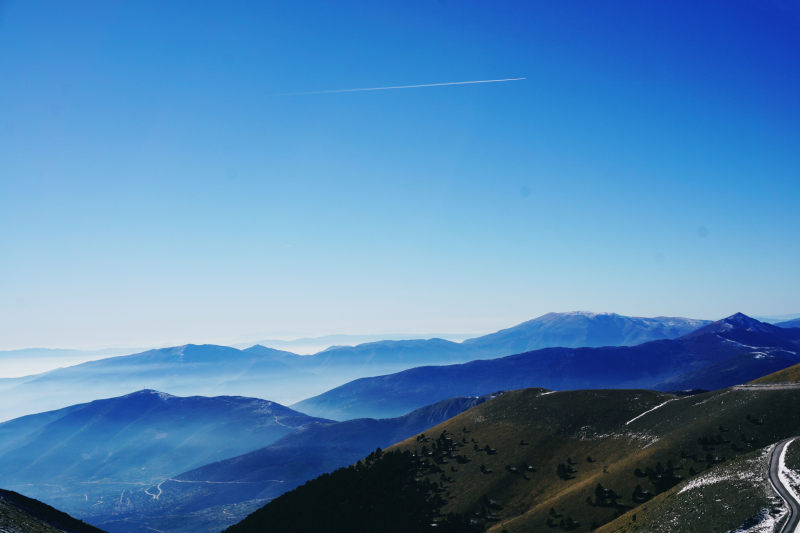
(620, 430)
(735, 495)
(787, 375)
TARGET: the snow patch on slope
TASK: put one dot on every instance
(752, 474)
(766, 523)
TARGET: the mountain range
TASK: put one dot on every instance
(729, 351)
(152, 461)
(286, 377)
(208, 496)
(311, 345)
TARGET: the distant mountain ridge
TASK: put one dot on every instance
(789, 323)
(585, 329)
(311, 345)
(730, 351)
(286, 377)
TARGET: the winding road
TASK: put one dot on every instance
(160, 492)
(776, 459)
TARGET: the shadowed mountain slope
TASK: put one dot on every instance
(795, 323)
(20, 514)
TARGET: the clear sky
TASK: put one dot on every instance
(161, 181)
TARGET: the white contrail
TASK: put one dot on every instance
(331, 91)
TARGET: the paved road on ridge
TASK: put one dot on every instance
(791, 525)
(767, 386)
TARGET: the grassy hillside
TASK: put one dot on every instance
(735, 494)
(790, 374)
(19, 514)
(528, 461)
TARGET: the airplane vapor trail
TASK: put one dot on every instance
(361, 89)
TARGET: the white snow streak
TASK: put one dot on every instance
(649, 411)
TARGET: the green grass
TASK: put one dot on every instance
(728, 496)
(578, 424)
(559, 428)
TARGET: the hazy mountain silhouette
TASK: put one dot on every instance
(136, 438)
(585, 329)
(265, 372)
(744, 347)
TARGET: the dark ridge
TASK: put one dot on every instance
(45, 513)
(381, 493)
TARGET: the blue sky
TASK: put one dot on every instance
(158, 185)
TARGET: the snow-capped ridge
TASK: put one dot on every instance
(149, 392)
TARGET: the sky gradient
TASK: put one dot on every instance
(162, 182)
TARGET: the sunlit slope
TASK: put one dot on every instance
(528, 461)
(731, 496)
(690, 433)
(584, 329)
(787, 375)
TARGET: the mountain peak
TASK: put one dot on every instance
(149, 392)
(739, 317)
(737, 324)
(741, 320)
